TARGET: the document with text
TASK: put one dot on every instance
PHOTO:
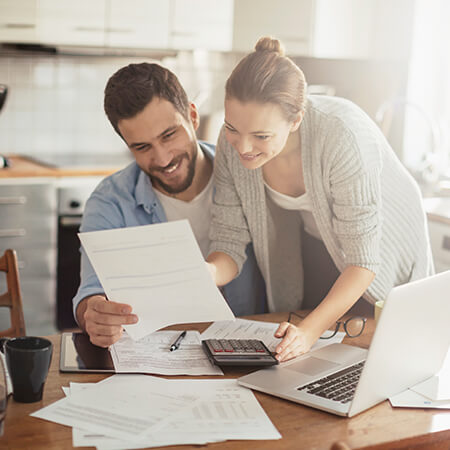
(152, 354)
(125, 407)
(224, 411)
(159, 270)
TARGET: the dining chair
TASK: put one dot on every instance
(12, 298)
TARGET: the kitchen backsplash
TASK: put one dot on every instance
(55, 102)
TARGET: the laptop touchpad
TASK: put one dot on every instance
(312, 366)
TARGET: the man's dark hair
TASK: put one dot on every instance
(134, 86)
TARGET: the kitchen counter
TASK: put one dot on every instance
(23, 166)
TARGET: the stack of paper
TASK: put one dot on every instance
(136, 411)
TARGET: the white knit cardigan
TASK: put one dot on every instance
(367, 207)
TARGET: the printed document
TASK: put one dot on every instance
(159, 270)
(254, 329)
(151, 354)
(224, 411)
(122, 406)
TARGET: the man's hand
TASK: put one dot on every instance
(102, 319)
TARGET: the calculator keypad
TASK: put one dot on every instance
(236, 346)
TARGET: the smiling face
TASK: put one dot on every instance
(257, 131)
(164, 144)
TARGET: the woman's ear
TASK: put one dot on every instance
(297, 121)
(194, 116)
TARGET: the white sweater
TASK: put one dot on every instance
(367, 207)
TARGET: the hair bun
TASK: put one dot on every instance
(269, 44)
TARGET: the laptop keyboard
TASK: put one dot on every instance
(339, 386)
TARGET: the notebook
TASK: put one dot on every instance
(409, 345)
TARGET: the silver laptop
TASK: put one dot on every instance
(409, 345)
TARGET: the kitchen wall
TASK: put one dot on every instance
(55, 102)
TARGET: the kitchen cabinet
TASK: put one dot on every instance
(288, 20)
(71, 23)
(202, 24)
(137, 24)
(343, 29)
(18, 21)
(28, 224)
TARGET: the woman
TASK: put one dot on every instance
(291, 170)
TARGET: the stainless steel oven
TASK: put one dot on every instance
(72, 196)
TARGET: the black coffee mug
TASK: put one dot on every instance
(28, 360)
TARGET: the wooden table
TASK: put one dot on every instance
(381, 427)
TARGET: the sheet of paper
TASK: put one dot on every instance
(253, 329)
(411, 399)
(151, 354)
(159, 270)
(122, 406)
(438, 386)
(225, 411)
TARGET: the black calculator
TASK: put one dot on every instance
(238, 352)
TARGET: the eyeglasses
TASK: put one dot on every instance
(353, 327)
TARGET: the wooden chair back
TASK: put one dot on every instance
(12, 297)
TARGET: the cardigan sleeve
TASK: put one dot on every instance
(355, 175)
(229, 231)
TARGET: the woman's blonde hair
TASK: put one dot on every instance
(268, 76)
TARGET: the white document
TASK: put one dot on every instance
(225, 411)
(151, 354)
(122, 406)
(159, 270)
(436, 388)
(254, 329)
(411, 399)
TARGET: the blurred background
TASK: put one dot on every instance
(390, 57)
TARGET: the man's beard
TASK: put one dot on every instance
(185, 184)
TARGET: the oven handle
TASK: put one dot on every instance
(70, 221)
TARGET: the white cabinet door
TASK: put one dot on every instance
(204, 24)
(18, 21)
(291, 21)
(138, 24)
(81, 22)
(343, 28)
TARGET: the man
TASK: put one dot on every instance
(170, 179)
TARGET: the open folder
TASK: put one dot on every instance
(159, 270)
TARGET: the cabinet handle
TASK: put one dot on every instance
(21, 200)
(119, 30)
(20, 26)
(83, 29)
(14, 232)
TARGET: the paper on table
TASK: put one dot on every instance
(254, 329)
(411, 399)
(225, 411)
(122, 406)
(159, 270)
(438, 386)
(151, 354)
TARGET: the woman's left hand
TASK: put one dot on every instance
(296, 341)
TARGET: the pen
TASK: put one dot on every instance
(177, 342)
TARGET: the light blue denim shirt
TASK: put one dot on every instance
(127, 199)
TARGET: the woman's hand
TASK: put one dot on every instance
(296, 341)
